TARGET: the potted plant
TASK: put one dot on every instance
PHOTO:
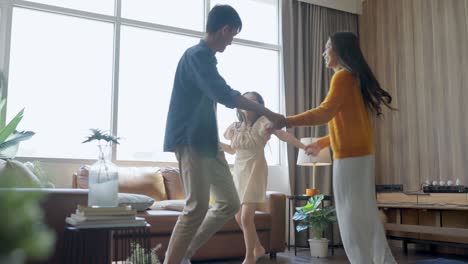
(23, 234)
(9, 137)
(141, 255)
(9, 143)
(103, 174)
(316, 217)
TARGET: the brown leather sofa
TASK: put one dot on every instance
(164, 184)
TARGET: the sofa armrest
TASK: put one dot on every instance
(275, 205)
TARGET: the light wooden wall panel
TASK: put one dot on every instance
(418, 50)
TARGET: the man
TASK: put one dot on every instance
(191, 132)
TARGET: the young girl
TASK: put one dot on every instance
(248, 139)
(354, 93)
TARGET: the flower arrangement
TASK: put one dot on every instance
(103, 174)
(99, 134)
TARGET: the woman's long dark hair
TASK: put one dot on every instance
(260, 100)
(346, 47)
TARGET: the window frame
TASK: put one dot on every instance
(6, 12)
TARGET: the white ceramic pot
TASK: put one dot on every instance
(318, 247)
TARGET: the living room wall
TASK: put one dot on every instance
(418, 51)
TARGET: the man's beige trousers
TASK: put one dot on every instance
(197, 223)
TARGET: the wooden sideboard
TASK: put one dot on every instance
(437, 219)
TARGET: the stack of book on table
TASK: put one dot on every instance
(101, 217)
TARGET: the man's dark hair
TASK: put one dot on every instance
(223, 15)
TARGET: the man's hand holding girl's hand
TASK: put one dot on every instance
(312, 149)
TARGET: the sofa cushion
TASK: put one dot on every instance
(138, 202)
(140, 180)
(163, 221)
(173, 205)
(173, 183)
(16, 174)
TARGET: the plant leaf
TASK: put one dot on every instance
(2, 117)
(16, 138)
(301, 227)
(11, 127)
(299, 208)
(99, 134)
(299, 216)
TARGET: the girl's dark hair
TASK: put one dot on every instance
(223, 15)
(260, 100)
(346, 47)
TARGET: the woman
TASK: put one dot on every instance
(354, 92)
(248, 139)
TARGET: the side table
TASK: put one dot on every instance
(106, 244)
(291, 206)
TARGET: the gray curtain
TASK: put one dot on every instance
(306, 29)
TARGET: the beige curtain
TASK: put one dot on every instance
(418, 50)
(306, 29)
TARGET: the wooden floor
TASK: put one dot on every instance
(303, 257)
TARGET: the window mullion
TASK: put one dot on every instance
(205, 13)
(6, 9)
(115, 75)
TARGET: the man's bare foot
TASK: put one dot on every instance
(259, 252)
(249, 260)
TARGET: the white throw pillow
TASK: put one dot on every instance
(138, 202)
(173, 205)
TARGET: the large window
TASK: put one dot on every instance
(176, 13)
(146, 77)
(61, 72)
(100, 6)
(259, 19)
(76, 65)
(250, 69)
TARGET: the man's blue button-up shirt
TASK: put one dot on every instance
(197, 89)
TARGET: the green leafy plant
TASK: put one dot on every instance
(9, 137)
(313, 216)
(23, 230)
(140, 255)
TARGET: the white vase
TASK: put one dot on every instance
(318, 247)
(103, 180)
